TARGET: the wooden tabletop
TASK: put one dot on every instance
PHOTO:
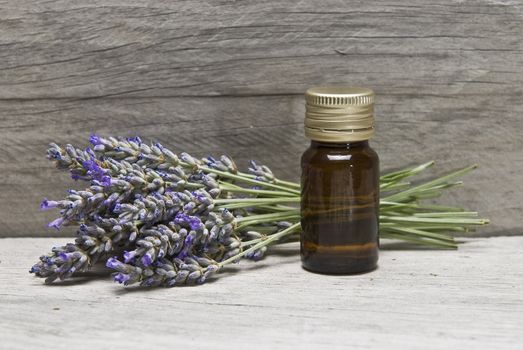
(431, 299)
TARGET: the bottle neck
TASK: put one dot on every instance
(345, 145)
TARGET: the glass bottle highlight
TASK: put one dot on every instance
(339, 182)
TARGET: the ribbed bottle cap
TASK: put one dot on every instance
(339, 114)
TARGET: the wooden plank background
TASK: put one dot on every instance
(212, 77)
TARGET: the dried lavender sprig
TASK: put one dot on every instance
(165, 272)
(270, 239)
(162, 160)
(189, 270)
(81, 163)
(131, 182)
(264, 173)
(157, 155)
(85, 165)
(61, 263)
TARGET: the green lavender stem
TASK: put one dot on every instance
(405, 195)
(276, 181)
(401, 215)
(235, 203)
(269, 239)
(249, 180)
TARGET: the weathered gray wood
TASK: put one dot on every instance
(466, 299)
(228, 77)
(56, 49)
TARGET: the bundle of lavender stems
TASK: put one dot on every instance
(161, 219)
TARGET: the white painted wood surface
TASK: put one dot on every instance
(417, 299)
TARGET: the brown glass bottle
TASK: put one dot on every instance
(340, 188)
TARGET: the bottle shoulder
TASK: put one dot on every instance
(334, 155)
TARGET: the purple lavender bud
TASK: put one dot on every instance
(283, 224)
(113, 263)
(64, 256)
(95, 198)
(189, 239)
(111, 199)
(209, 181)
(148, 282)
(182, 254)
(181, 276)
(229, 163)
(199, 196)
(54, 154)
(135, 139)
(213, 233)
(189, 206)
(227, 216)
(181, 218)
(129, 256)
(95, 140)
(214, 192)
(195, 223)
(96, 172)
(194, 276)
(117, 208)
(147, 260)
(187, 158)
(105, 181)
(57, 223)
(121, 277)
(47, 204)
(90, 152)
(90, 165)
(170, 283)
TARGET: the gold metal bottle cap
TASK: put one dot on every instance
(339, 114)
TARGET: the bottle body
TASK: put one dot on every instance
(339, 207)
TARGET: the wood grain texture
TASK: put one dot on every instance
(466, 299)
(228, 76)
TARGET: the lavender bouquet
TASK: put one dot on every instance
(162, 219)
